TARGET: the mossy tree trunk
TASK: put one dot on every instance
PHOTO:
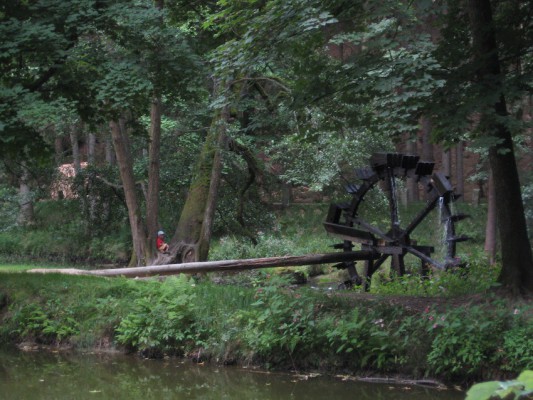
(193, 233)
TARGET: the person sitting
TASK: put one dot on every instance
(160, 242)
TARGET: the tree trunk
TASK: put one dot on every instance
(76, 158)
(517, 260)
(216, 176)
(152, 198)
(58, 150)
(412, 183)
(459, 170)
(91, 148)
(490, 229)
(125, 163)
(218, 266)
(427, 145)
(191, 239)
(109, 153)
(26, 213)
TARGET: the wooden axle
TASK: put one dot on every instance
(218, 266)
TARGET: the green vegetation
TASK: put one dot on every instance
(265, 321)
(259, 318)
(521, 388)
(449, 325)
(59, 234)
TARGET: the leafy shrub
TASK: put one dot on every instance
(276, 325)
(160, 319)
(516, 353)
(465, 341)
(50, 323)
(369, 340)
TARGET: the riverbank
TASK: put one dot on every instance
(261, 320)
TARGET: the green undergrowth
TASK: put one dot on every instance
(268, 323)
(59, 234)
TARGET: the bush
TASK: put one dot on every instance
(160, 320)
(466, 342)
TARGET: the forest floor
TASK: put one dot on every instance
(439, 303)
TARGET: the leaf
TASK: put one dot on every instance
(526, 378)
(482, 391)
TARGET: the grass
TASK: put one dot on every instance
(15, 267)
(264, 322)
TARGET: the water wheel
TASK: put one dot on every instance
(394, 242)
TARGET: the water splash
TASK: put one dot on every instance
(442, 231)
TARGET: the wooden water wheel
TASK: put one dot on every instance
(394, 242)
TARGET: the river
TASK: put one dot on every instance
(75, 376)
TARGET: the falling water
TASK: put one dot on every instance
(443, 224)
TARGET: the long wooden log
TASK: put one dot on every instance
(219, 266)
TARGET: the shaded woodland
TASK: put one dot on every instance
(197, 116)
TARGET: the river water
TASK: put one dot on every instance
(60, 376)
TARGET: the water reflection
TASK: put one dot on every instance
(91, 376)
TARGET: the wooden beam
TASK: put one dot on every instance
(219, 266)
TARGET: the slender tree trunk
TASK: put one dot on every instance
(109, 153)
(427, 145)
(91, 158)
(91, 149)
(58, 150)
(412, 184)
(216, 175)
(491, 227)
(26, 212)
(125, 163)
(459, 169)
(152, 200)
(76, 158)
(517, 260)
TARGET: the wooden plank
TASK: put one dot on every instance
(349, 233)
(219, 266)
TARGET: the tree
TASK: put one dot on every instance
(517, 260)
(396, 74)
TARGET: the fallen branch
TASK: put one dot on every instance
(218, 266)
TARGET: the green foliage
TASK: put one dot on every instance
(278, 325)
(477, 275)
(269, 324)
(464, 341)
(161, 319)
(517, 353)
(367, 340)
(49, 323)
(519, 389)
(8, 207)
(60, 233)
